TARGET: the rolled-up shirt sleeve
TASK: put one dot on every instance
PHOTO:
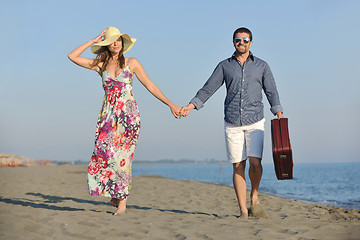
(270, 90)
(215, 81)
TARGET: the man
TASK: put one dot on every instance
(245, 77)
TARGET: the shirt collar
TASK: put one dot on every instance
(251, 56)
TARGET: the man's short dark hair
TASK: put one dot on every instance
(242, 30)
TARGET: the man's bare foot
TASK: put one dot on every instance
(254, 200)
(257, 211)
(114, 202)
(255, 207)
(244, 215)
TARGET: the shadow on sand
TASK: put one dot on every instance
(48, 200)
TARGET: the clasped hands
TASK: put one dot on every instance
(180, 112)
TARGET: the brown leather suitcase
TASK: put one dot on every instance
(282, 152)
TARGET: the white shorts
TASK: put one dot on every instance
(244, 141)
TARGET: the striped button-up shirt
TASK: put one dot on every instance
(244, 84)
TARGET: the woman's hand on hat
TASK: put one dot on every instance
(100, 37)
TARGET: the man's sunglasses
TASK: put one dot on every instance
(245, 39)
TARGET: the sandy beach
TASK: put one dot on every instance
(52, 202)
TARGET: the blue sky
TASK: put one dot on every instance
(49, 106)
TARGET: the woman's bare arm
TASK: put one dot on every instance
(75, 55)
(140, 73)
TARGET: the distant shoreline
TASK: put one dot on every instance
(15, 160)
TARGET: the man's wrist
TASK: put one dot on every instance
(191, 106)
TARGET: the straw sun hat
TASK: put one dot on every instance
(111, 35)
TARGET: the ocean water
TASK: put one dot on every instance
(332, 184)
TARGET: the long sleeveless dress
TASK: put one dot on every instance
(118, 126)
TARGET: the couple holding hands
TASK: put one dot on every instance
(118, 125)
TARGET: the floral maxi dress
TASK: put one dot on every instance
(118, 126)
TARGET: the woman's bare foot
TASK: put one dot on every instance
(121, 207)
(114, 202)
(120, 212)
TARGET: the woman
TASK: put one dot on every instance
(109, 171)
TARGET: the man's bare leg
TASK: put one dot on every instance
(240, 187)
(255, 174)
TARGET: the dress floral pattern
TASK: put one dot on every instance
(118, 126)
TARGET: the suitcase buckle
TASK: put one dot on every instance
(282, 156)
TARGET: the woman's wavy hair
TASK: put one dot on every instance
(104, 57)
